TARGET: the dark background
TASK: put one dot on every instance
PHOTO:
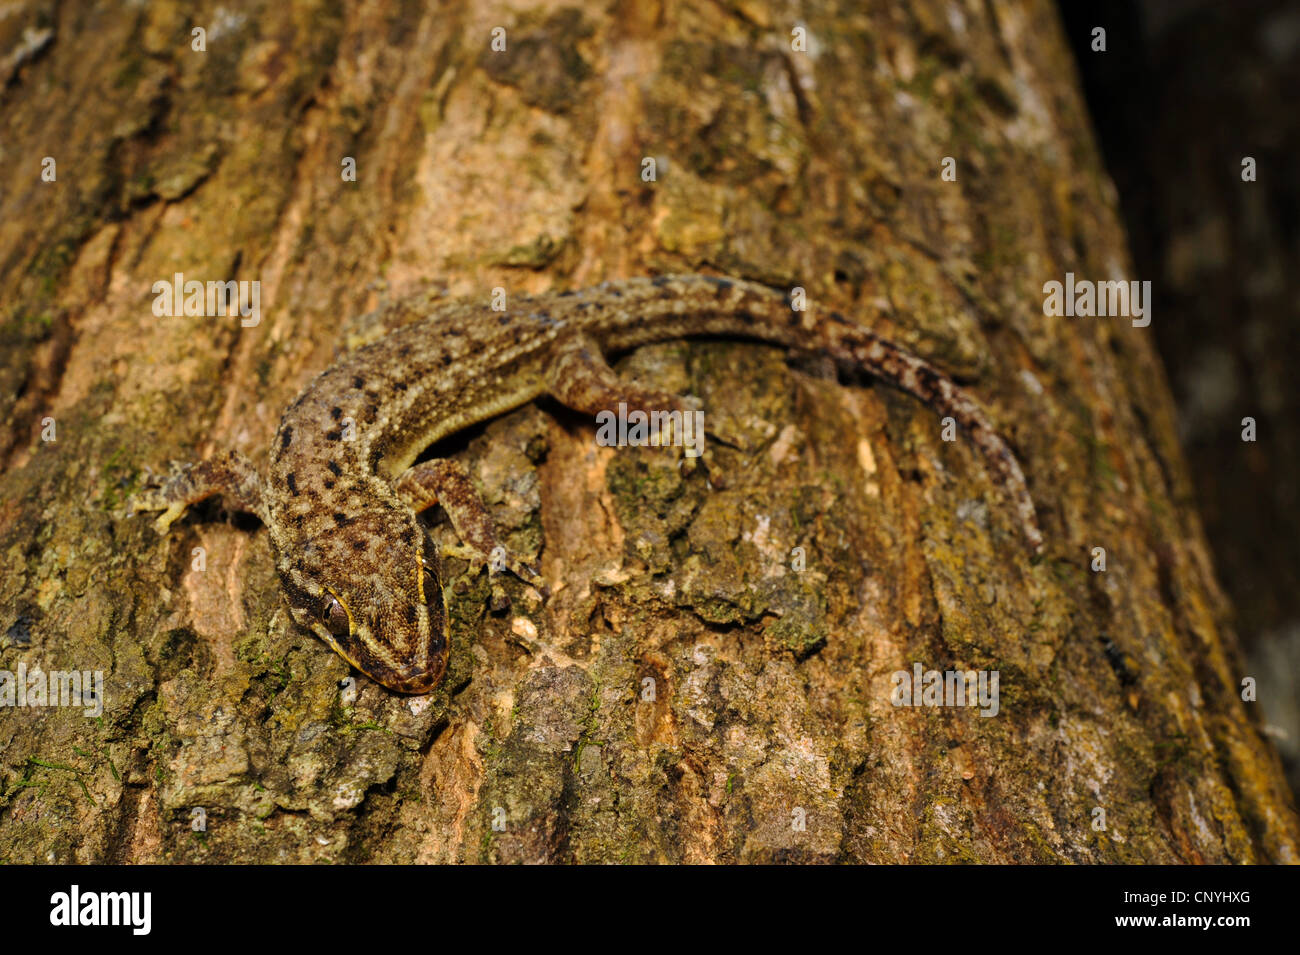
(1184, 91)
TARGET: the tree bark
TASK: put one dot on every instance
(688, 693)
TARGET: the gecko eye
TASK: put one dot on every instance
(336, 618)
(432, 590)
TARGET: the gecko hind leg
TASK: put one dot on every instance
(443, 481)
(231, 475)
(581, 379)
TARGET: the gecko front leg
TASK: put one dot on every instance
(443, 481)
(231, 475)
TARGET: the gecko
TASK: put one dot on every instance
(343, 490)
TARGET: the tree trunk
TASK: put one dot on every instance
(711, 680)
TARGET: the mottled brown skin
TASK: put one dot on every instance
(341, 496)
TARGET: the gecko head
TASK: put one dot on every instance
(371, 588)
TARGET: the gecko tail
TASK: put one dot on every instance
(893, 364)
(635, 312)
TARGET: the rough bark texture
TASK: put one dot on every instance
(1223, 252)
(522, 170)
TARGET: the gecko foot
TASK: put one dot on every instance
(230, 475)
